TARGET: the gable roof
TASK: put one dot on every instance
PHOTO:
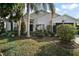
(70, 17)
(43, 13)
(66, 18)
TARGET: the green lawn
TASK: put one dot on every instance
(30, 47)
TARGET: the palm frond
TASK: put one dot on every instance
(35, 7)
(44, 5)
(51, 8)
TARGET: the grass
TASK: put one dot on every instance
(30, 47)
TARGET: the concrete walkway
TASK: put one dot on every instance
(77, 39)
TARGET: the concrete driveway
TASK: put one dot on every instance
(77, 39)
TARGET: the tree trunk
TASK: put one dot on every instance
(28, 20)
(51, 24)
(11, 25)
(19, 28)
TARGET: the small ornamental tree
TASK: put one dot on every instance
(66, 33)
(49, 27)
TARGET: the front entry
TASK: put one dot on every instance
(31, 27)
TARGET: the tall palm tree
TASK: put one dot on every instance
(35, 7)
(50, 7)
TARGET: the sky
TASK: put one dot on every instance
(71, 9)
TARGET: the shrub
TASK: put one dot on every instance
(31, 47)
(40, 33)
(48, 33)
(77, 31)
(50, 49)
(23, 48)
(49, 30)
(66, 32)
(11, 34)
(49, 27)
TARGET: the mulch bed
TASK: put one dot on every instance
(54, 40)
(72, 45)
(39, 39)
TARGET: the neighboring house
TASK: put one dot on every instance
(42, 19)
(6, 25)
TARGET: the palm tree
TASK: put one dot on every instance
(17, 16)
(50, 7)
(35, 7)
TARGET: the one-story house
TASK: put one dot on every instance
(39, 20)
(42, 19)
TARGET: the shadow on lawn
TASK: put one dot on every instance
(11, 39)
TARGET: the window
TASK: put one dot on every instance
(40, 27)
(31, 21)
